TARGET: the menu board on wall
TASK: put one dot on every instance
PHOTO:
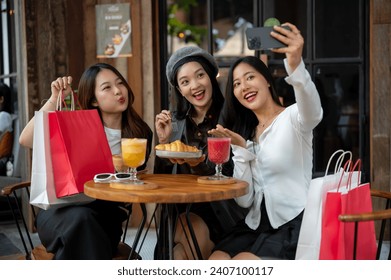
(113, 30)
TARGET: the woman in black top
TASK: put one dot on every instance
(192, 72)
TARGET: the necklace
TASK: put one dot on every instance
(270, 118)
(261, 127)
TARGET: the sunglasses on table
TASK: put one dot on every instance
(109, 177)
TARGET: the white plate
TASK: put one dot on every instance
(170, 154)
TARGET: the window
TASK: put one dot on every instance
(8, 56)
(334, 54)
(12, 60)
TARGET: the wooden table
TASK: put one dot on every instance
(171, 189)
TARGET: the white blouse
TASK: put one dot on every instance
(279, 166)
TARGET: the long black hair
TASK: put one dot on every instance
(234, 115)
(181, 104)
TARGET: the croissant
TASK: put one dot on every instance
(176, 146)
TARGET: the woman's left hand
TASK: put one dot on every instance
(294, 41)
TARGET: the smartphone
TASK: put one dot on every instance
(258, 38)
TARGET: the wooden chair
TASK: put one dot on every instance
(380, 215)
(14, 192)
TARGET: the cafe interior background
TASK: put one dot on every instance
(347, 52)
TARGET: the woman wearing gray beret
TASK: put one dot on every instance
(195, 109)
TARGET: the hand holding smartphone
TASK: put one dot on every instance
(259, 38)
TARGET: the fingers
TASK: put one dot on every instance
(291, 38)
(219, 131)
(195, 162)
(62, 83)
(163, 116)
(191, 161)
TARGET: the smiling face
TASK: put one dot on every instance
(251, 88)
(110, 92)
(194, 84)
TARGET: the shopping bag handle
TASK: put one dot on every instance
(338, 163)
(350, 168)
(357, 164)
(61, 101)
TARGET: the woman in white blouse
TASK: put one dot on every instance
(272, 151)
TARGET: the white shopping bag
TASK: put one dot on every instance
(310, 231)
(43, 193)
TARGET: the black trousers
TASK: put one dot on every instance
(84, 232)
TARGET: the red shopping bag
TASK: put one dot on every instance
(79, 149)
(43, 191)
(337, 238)
(310, 232)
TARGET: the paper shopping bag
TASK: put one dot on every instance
(337, 238)
(79, 149)
(357, 201)
(43, 193)
(310, 231)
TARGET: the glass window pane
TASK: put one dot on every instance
(230, 21)
(338, 86)
(186, 24)
(337, 28)
(294, 12)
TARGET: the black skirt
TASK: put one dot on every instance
(265, 241)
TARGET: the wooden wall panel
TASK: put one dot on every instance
(75, 39)
(380, 85)
(130, 67)
(46, 48)
(380, 97)
(381, 12)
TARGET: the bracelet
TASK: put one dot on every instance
(47, 100)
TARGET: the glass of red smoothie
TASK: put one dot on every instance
(218, 153)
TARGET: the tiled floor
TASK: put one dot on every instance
(147, 249)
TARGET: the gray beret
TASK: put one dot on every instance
(186, 52)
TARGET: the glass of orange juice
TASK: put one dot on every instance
(133, 156)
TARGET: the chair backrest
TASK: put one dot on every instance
(16, 147)
(382, 216)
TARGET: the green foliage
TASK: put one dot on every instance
(187, 32)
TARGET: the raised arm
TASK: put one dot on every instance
(26, 136)
(307, 96)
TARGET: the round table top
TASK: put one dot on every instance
(171, 188)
